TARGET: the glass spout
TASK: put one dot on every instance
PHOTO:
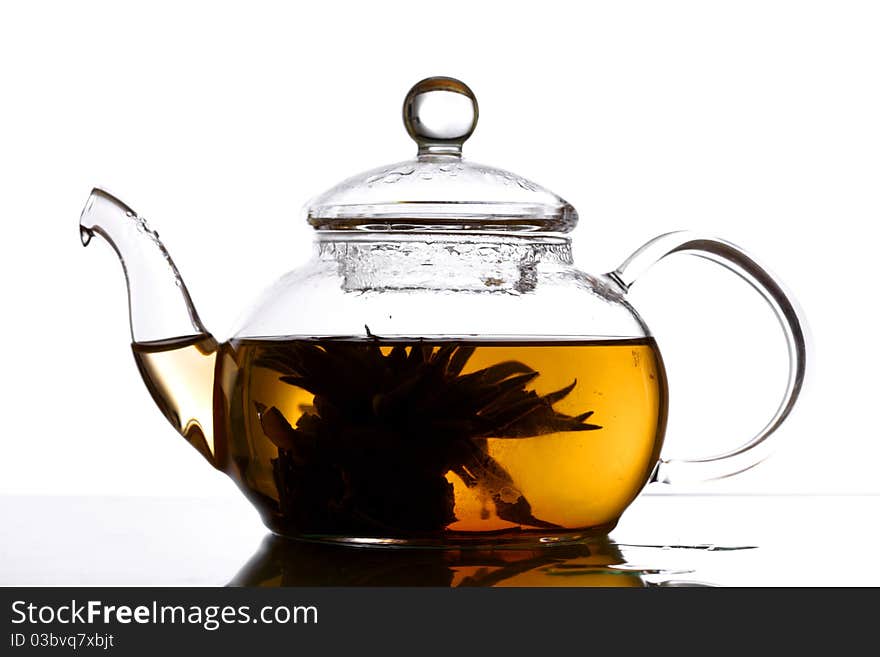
(159, 304)
(174, 352)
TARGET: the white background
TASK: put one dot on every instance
(755, 121)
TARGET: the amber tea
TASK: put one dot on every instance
(370, 437)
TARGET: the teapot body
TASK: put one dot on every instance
(440, 389)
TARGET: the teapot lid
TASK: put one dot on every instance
(439, 190)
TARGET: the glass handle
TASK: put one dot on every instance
(735, 259)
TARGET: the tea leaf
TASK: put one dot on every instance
(384, 429)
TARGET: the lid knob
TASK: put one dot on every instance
(440, 114)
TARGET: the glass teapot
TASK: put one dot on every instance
(439, 373)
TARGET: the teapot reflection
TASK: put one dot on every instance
(595, 563)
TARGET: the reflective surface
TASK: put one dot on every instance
(661, 540)
(593, 562)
